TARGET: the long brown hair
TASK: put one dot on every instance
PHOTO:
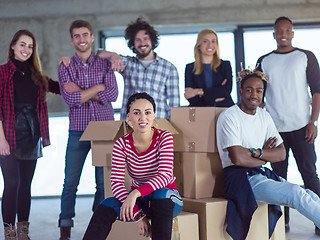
(34, 61)
(216, 61)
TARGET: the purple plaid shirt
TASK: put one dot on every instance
(96, 71)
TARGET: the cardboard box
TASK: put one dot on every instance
(198, 175)
(212, 219)
(103, 134)
(196, 127)
(279, 232)
(185, 227)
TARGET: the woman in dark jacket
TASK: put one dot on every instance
(208, 80)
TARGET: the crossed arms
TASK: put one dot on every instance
(241, 156)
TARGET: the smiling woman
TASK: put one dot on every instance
(208, 80)
(23, 48)
(147, 153)
(141, 114)
(23, 129)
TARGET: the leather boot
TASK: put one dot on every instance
(9, 232)
(65, 233)
(100, 223)
(23, 230)
(161, 218)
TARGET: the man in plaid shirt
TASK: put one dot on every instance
(147, 72)
(88, 86)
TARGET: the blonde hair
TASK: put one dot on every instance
(216, 61)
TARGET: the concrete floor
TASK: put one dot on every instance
(45, 212)
(44, 218)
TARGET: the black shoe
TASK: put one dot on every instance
(287, 227)
(100, 223)
(65, 233)
(317, 231)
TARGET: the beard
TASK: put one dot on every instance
(143, 54)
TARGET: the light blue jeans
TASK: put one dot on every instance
(76, 154)
(143, 203)
(285, 193)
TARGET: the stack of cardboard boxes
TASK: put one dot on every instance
(198, 169)
(102, 136)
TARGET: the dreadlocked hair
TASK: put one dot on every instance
(245, 74)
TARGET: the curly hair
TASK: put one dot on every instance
(246, 74)
(134, 27)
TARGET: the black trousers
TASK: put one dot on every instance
(16, 197)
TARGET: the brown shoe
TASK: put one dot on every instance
(23, 230)
(9, 232)
(65, 233)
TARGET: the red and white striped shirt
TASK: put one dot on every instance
(149, 170)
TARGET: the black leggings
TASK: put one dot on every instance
(16, 197)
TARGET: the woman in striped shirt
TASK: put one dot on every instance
(147, 152)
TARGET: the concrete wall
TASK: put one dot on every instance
(49, 20)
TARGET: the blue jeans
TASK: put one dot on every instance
(76, 154)
(285, 193)
(305, 156)
(143, 203)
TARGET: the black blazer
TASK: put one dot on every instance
(210, 94)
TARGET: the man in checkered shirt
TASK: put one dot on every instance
(146, 72)
(88, 86)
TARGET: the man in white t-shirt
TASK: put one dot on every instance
(293, 73)
(247, 139)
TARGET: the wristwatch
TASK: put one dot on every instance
(253, 152)
(314, 122)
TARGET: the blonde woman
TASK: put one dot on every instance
(208, 80)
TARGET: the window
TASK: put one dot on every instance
(260, 42)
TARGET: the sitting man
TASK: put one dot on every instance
(247, 139)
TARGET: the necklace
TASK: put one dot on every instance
(20, 71)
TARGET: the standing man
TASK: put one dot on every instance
(247, 138)
(88, 86)
(147, 72)
(291, 72)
